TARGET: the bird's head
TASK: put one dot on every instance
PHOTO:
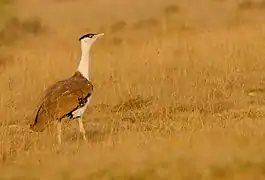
(88, 39)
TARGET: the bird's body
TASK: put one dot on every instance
(67, 98)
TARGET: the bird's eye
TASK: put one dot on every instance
(91, 35)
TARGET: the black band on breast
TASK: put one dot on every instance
(81, 103)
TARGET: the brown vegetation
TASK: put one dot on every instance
(249, 4)
(15, 29)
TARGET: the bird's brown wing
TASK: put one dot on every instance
(69, 97)
(62, 98)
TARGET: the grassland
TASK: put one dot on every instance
(171, 82)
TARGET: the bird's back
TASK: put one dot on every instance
(61, 99)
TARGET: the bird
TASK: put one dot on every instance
(67, 98)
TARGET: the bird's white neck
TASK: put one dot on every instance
(83, 66)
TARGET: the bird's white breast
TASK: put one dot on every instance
(80, 111)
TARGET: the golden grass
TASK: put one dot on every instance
(170, 101)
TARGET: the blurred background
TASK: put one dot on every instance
(171, 88)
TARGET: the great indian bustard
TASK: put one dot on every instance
(68, 98)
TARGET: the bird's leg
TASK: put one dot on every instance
(59, 131)
(81, 128)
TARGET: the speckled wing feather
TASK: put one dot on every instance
(60, 99)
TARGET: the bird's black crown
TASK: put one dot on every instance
(90, 35)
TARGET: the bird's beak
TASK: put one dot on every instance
(99, 35)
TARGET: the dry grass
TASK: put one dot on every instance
(171, 83)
